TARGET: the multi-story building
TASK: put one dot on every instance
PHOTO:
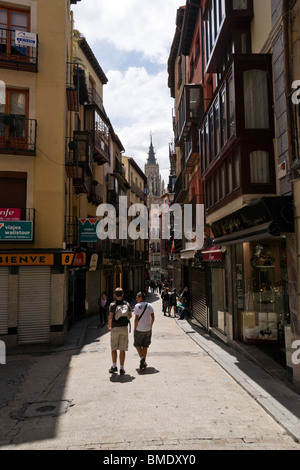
(135, 269)
(153, 204)
(59, 160)
(33, 278)
(234, 101)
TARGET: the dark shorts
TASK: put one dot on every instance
(142, 339)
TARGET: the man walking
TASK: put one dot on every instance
(144, 319)
(118, 320)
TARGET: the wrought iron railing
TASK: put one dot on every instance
(17, 134)
(15, 56)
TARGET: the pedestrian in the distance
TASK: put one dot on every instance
(143, 322)
(103, 303)
(119, 317)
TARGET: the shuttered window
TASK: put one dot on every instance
(199, 307)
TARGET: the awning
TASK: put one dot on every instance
(213, 254)
(260, 232)
(188, 254)
(263, 218)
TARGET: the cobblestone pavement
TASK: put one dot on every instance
(195, 394)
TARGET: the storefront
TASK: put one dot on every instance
(256, 240)
(262, 296)
(35, 290)
(217, 305)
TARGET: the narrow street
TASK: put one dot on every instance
(185, 400)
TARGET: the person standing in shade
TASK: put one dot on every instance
(103, 303)
(119, 331)
(144, 319)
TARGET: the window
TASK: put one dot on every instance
(202, 139)
(12, 20)
(223, 118)
(16, 106)
(222, 186)
(212, 137)
(179, 71)
(13, 189)
(217, 127)
(256, 100)
(229, 177)
(236, 171)
(207, 143)
(259, 167)
(231, 107)
(240, 4)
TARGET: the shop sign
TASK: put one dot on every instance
(88, 230)
(31, 259)
(79, 259)
(10, 214)
(73, 259)
(23, 230)
(93, 262)
(212, 254)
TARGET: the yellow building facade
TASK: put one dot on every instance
(58, 162)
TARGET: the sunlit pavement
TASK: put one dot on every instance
(195, 394)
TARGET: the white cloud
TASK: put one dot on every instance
(145, 26)
(137, 101)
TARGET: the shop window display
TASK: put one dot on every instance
(265, 312)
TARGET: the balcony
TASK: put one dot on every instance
(190, 109)
(96, 193)
(192, 152)
(72, 232)
(17, 57)
(120, 173)
(101, 147)
(236, 133)
(226, 21)
(180, 189)
(72, 86)
(17, 135)
(82, 182)
(138, 191)
(95, 100)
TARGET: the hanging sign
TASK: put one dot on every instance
(24, 39)
(88, 230)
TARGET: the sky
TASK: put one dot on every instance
(131, 40)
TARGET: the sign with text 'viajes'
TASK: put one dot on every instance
(88, 230)
(16, 231)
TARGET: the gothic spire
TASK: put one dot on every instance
(151, 154)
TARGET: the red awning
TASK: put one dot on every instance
(213, 254)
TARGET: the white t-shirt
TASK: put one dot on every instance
(145, 322)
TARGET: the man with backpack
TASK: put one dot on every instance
(144, 319)
(119, 317)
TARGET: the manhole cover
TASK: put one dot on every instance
(56, 408)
